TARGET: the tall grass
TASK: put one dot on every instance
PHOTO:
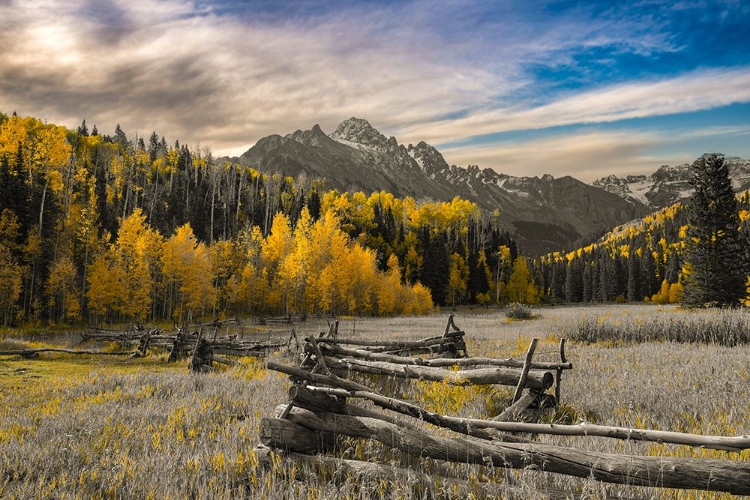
(725, 327)
(81, 427)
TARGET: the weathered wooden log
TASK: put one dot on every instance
(331, 468)
(305, 397)
(519, 406)
(143, 345)
(480, 376)
(318, 355)
(558, 371)
(302, 398)
(525, 370)
(433, 341)
(341, 351)
(330, 380)
(224, 361)
(724, 443)
(202, 357)
(665, 472)
(287, 435)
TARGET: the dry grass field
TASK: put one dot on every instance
(96, 427)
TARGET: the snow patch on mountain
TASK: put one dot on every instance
(669, 184)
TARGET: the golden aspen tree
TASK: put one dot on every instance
(418, 300)
(197, 284)
(186, 265)
(459, 274)
(50, 154)
(225, 263)
(675, 293)
(276, 247)
(106, 284)
(13, 132)
(138, 253)
(518, 283)
(62, 291)
(325, 239)
(293, 271)
(533, 293)
(249, 291)
(361, 269)
(11, 273)
(362, 213)
(389, 290)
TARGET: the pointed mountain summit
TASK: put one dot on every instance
(359, 131)
(544, 214)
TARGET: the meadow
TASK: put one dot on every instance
(90, 427)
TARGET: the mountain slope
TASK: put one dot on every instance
(543, 214)
(669, 184)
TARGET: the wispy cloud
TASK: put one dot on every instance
(698, 90)
(225, 77)
(218, 79)
(588, 154)
(591, 154)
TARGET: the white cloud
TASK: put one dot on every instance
(698, 90)
(225, 82)
(218, 79)
(586, 155)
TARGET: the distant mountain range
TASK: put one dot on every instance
(543, 214)
(669, 184)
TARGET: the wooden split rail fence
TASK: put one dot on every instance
(203, 346)
(321, 408)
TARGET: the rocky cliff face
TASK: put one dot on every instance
(669, 184)
(544, 214)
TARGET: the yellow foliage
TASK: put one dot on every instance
(12, 133)
(675, 293)
(662, 297)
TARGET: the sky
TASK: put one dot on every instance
(524, 87)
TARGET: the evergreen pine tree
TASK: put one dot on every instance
(715, 258)
(477, 283)
(588, 293)
(5, 182)
(574, 281)
(634, 276)
(557, 284)
(650, 282)
(672, 270)
(435, 273)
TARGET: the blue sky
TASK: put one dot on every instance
(527, 88)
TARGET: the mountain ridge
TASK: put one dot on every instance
(669, 184)
(543, 214)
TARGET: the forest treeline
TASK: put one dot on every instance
(644, 260)
(117, 228)
(120, 228)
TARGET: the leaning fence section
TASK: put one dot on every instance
(322, 407)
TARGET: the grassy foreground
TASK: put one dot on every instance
(87, 427)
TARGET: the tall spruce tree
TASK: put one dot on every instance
(435, 273)
(716, 271)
